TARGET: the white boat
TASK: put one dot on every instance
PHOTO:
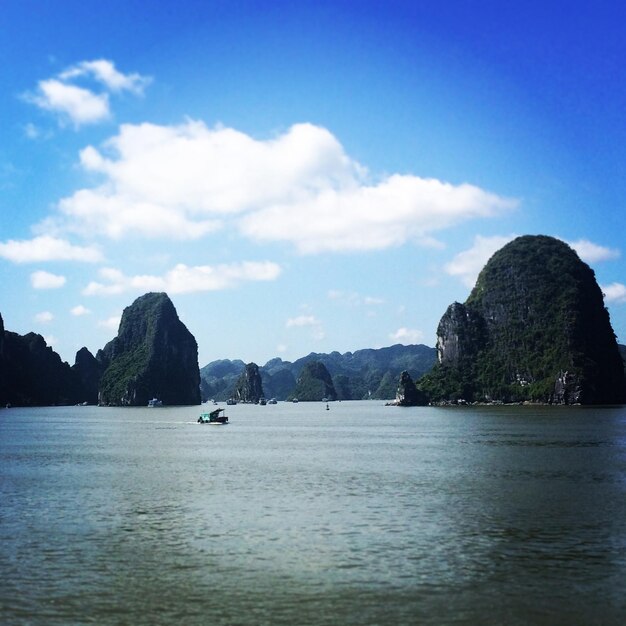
(155, 402)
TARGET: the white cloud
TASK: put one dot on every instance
(185, 279)
(111, 323)
(307, 321)
(104, 71)
(592, 253)
(302, 320)
(372, 217)
(299, 187)
(44, 317)
(79, 310)
(467, 264)
(79, 105)
(46, 280)
(407, 335)
(615, 292)
(46, 248)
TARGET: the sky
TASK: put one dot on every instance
(299, 176)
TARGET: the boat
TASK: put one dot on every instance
(295, 400)
(214, 417)
(272, 401)
(155, 402)
(262, 401)
(231, 401)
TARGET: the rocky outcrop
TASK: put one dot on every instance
(408, 394)
(33, 374)
(534, 328)
(88, 371)
(460, 334)
(249, 387)
(314, 383)
(153, 355)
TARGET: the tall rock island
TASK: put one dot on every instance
(153, 356)
(533, 328)
(249, 387)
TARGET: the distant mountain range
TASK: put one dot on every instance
(369, 373)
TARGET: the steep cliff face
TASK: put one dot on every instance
(153, 355)
(32, 374)
(533, 328)
(314, 383)
(249, 387)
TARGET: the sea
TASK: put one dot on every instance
(293, 514)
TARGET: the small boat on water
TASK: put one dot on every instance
(262, 401)
(231, 401)
(155, 402)
(214, 417)
(272, 401)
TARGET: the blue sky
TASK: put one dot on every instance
(299, 176)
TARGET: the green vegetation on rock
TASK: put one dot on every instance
(153, 356)
(314, 383)
(363, 374)
(534, 328)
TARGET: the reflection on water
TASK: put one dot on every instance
(293, 515)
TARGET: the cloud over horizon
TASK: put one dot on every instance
(184, 279)
(300, 187)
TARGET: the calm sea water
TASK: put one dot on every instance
(291, 514)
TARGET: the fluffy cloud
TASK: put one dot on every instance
(79, 310)
(407, 335)
(44, 317)
(467, 264)
(80, 105)
(184, 279)
(302, 320)
(592, 253)
(46, 280)
(372, 217)
(47, 248)
(104, 71)
(615, 292)
(299, 187)
(307, 321)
